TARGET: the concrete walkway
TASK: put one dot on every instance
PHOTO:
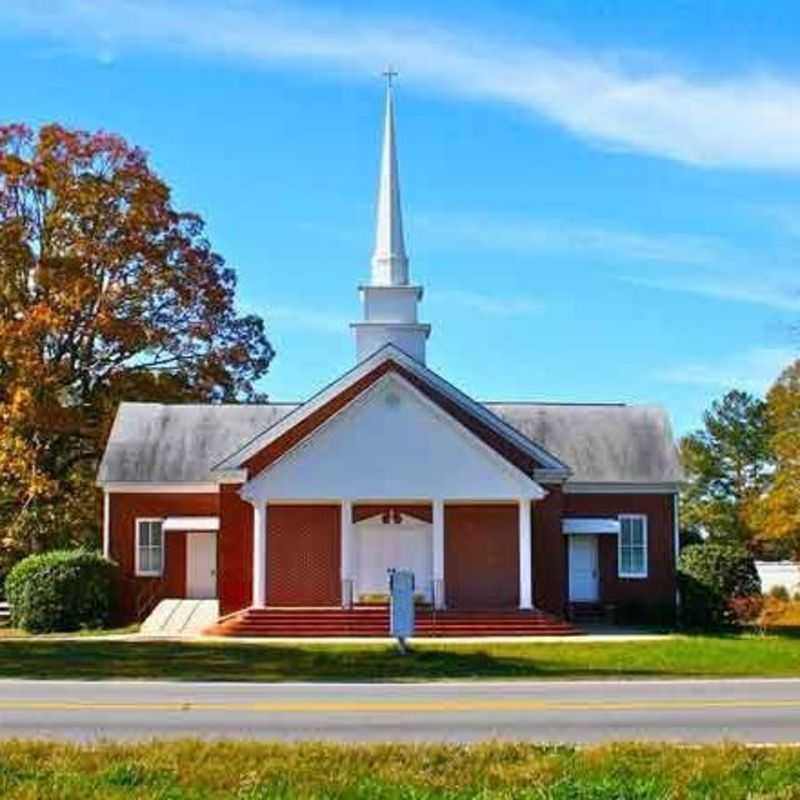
(602, 635)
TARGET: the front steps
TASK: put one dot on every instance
(373, 621)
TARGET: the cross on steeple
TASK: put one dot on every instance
(389, 73)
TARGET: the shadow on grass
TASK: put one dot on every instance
(98, 660)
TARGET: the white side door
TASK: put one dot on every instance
(583, 572)
(201, 566)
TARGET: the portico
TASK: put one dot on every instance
(370, 545)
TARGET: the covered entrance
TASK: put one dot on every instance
(459, 512)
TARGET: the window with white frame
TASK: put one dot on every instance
(149, 547)
(632, 553)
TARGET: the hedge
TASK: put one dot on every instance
(711, 576)
(62, 590)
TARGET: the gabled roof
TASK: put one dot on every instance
(157, 443)
(287, 431)
(601, 444)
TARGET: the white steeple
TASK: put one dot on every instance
(389, 261)
(390, 302)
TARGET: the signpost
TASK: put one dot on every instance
(401, 609)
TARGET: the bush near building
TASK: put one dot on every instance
(61, 590)
(712, 579)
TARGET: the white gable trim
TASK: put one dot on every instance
(529, 488)
(388, 353)
(144, 487)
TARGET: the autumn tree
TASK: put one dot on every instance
(106, 292)
(775, 513)
(727, 464)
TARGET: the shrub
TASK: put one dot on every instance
(746, 609)
(710, 576)
(779, 593)
(62, 590)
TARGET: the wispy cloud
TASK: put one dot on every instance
(753, 370)
(783, 218)
(307, 319)
(706, 265)
(487, 305)
(744, 120)
(781, 292)
(522, 234)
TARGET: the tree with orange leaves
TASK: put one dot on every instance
(106, 292)
(775, 514)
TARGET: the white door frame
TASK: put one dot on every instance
(201, 582)
(588, 591)
(372, 578)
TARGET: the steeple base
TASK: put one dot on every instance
(408, 337)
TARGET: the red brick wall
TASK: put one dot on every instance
(481, 556)
(303, 555)
(549, 552)
(124, 509)
(235, 565)
(659, 586)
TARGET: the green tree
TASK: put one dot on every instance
(106, 292)
(727, 464)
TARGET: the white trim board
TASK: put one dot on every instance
(389, 353)
(429, 422)
(161, 488)
(191, 524)
(590, 525)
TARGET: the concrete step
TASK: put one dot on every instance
(174, 616)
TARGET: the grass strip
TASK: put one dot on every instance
(251, 771)
(700, 656)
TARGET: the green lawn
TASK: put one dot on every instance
(248, 771)
(95, 658)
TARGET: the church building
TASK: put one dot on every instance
(514, 517)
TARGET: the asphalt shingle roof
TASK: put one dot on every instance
(156, 443)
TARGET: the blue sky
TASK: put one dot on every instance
(601, 198)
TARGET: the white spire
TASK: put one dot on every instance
(389, 261)
(390, 303)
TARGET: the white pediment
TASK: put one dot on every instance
(391, 442)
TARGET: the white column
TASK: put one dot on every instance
(259, 553)
(106, 523)
(438, 554)
(346, 553)
(525, 580)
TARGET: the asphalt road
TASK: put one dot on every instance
(691, 711)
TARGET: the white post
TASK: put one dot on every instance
(438, 554)
(259, 553)
(346, 553)
(525, 581)
(106, 523)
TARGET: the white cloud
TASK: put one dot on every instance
(781, 292)
(531, 234)
(783, 218)
(307, 319)
(488, 305)
(705, 265)
(745, 120)
(753, 370)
